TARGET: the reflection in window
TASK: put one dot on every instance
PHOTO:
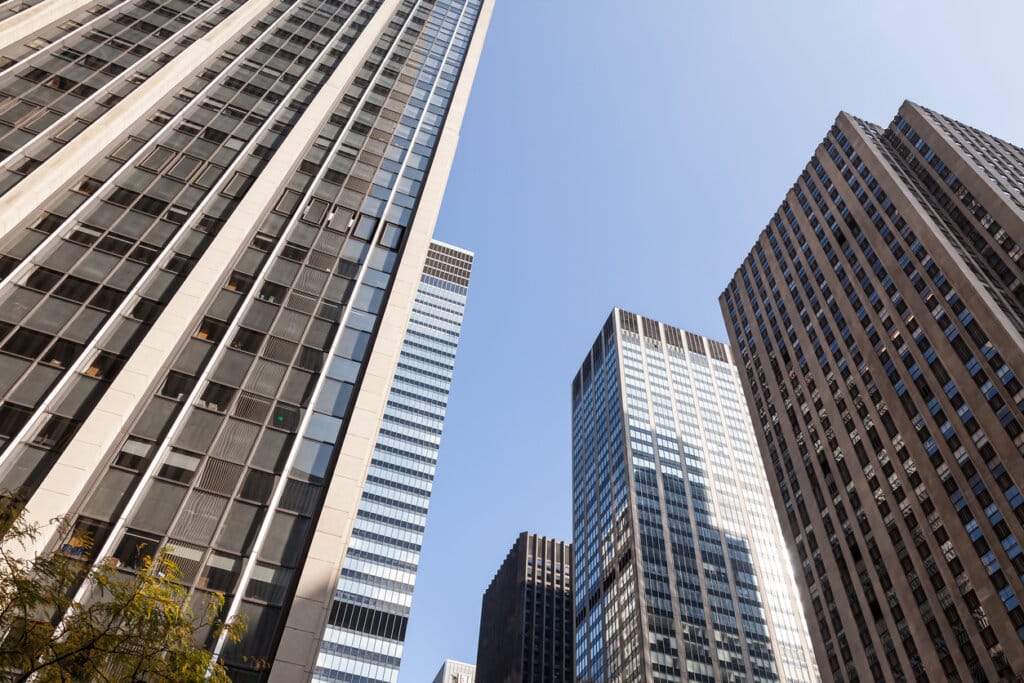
(221, 573)
(179, 466)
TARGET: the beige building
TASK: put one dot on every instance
(215, 218)
(455, 672)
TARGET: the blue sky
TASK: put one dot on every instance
(627, 154)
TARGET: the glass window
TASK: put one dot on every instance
(135, 547)
(105, 365)
(179, 466)
(216, 397)
(312, 460)
(177, 386)
(222, 572)
(134, 453)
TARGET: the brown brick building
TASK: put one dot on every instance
(878, 325)
(526, 627)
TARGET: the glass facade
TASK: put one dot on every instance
(266, 206)
(363, 639)
(681, 573)
(878, 323)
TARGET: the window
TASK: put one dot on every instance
(105, 365)
(134, 453)
(179, 466)
(134, 549)
(221, 573)
(177, 386)
(239, 282)
(107, 299)
(272, 293)
(43, 279)
(216, 397)
(85, 538)
(12, 419)
(211, 330)
(285, 417)
(75, 289)
(27, 343)
(88, 185)
(147, 311)
(62, 354)
(56, 433)
(247, 340)
(365, 227)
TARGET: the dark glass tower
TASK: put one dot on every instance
(680, 568)
(879, 321)
(215, 219)
(526, 630)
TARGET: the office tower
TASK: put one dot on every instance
(526, 630)
(455, 672)
(367, 624)
(215, 219)
(681, 572)
(878, 320)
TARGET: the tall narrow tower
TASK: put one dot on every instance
(680, 569)
(215, 220)
(879, 323)
(366, 628)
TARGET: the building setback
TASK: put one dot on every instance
(455, 672)
(526, 629)
(367, 624)
(878, 321)
(215, 220)
(680, 568)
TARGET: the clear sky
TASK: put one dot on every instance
(628, 154)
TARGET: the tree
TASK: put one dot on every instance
(132, 626)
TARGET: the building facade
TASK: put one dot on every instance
(526, 627)
(215, 221)
(455, 672)
(681, 571)
(878, 321)
(366, 628)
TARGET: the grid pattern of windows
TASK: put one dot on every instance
(363, 639)
(228, 452)
(54, 93)
(715, 597)
(878, 323)
(90, 276)
(526, 618)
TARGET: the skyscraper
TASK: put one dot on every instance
(215, 220)
(366, 628)
(455, 672)
(680, 569)
(526, 628)
(878, 320)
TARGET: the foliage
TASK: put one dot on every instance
(131, 626)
